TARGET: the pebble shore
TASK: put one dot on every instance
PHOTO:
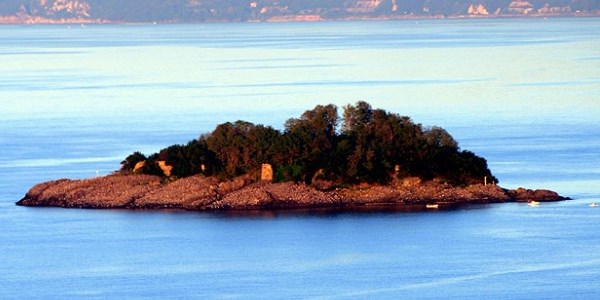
(199, 193)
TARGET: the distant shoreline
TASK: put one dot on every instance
(14, 20)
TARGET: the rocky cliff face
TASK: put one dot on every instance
(79, 11)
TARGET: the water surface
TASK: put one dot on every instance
(522, 93)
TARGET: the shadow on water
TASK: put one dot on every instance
(274, 213)
(357, 211)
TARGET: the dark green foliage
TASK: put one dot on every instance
(242, 147)
(151, 167)
(356, 117)
(130, 161)
(381, 141)
(286, 173)
(311, 139)
(373, 146)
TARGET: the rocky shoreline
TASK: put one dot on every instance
(199, 193)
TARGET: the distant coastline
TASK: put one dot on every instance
(248, 11)
(14, 20)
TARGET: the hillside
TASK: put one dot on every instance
(147, 11)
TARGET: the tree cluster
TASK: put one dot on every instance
(370, 145)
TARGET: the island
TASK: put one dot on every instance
(368, 159)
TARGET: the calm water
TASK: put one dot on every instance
(525, 94)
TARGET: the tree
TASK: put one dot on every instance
(151, 166)
(243, 147)
(263, 145)
(201, 159)
(440, 138)
(130, 161)
(373, 146)
(311, 139)
(227, 141)
(380, 140)
(356, 117)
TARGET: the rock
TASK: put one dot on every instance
(411, 181)
(246, 193)
(113, 191)
(524, 195)
(186, 193)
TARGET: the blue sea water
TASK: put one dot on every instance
(525, 94)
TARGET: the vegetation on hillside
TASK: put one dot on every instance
(263, 10)
(365, 145)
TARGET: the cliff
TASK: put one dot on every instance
(200, 193)
(170, 11)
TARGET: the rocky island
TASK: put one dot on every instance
(375, 160)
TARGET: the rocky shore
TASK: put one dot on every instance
(199, 193)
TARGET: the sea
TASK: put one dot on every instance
(75, 100)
